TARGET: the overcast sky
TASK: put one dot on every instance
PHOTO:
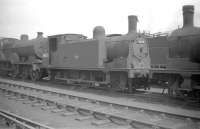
(81, 16)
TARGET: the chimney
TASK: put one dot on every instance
(188, 15)
(39, 34)
(24, 37)
(132, 23)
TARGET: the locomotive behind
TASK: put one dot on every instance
(5, 53)
(177, 65)
(24, 57)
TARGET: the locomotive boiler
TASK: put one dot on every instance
(30, 51)
(132, 46)
(117, 61)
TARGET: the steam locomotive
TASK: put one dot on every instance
(175, 58)
(120, 62)
(22, 58)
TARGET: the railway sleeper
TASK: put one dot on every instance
(21, 99)
(84, 117)
(66, 114)
(58, 110)
(101, 122)
(38, 104)
(48, 108)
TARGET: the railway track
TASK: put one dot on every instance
(11, 120)
(104, 112)
(144, 96)
(147, 96)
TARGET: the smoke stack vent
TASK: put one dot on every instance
(39, 34)
(188, 15)
(132, 23)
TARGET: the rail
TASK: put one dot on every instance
(22, 122)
